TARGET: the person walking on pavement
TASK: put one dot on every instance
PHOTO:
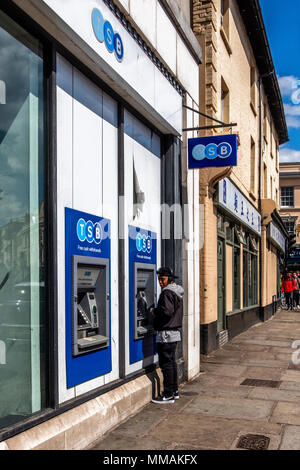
(167, 321)
(296, 291)
(288, 286)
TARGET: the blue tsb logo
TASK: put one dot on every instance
(212, 151)
(104, 33)
(87, 231)
(143, 243)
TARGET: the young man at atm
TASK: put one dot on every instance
(167, 321)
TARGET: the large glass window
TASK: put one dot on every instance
(236, 277)
(22, 217)
(250, 271)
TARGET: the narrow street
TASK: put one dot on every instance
(215, 410)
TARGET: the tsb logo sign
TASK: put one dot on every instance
(87, 231)
(212, 151)
(104, 33)
(143, 243)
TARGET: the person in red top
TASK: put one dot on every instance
(288, 286)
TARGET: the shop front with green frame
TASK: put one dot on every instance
(241, 282)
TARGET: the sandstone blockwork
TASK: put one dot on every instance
(205, 28)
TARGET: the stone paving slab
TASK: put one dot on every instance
(244, 347)
(263, 393)
(266, 342)
(223, 391)
(116, 442)
(224, 370)
(140, 423)
(264, 373)
(207, 379)
(293, 386)
(290, 438)
(230, 408)
(213, 432)
(264, 363)
(286, 413)
(291, 375)
(281, 350)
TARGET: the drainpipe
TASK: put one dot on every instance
(260, 191)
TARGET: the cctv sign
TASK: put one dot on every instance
(213, 151)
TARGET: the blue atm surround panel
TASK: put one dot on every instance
(142, 251)
(87, 236)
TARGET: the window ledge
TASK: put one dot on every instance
(236, 312)
(226, 40)
(252, 106)
(252, 195)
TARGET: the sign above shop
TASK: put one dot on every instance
(104, 33)
(275, 235)
(213, 151)
(233, 201)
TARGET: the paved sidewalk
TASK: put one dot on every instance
(215, 410)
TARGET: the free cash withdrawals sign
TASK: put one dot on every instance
(213, 151)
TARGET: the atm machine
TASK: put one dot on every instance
(90, 330)
(145, 294)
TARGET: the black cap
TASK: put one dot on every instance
(164, 271)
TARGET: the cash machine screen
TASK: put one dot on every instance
(145, 297)
(90, 318)
(87, 277)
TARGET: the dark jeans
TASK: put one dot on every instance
(289, 299)
(167, 363)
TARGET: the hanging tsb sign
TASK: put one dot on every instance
(212, 151)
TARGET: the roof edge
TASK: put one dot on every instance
(253, 20)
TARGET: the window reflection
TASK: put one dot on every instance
(22, 216)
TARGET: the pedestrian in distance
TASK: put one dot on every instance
(288, 286)
(282, 299)
(167, 322)
(296, 291)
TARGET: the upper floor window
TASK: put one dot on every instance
(265, 123)
(287, 197)
(289, 225)
(225, 114)
(252, 86)
(225, 16)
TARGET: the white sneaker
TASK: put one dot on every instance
(163, 400)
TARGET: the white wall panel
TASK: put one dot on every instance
(167, 101)
(143, 12)
(87, 145)
(187, 70)
(146, 76)
(166, 39)
(110, 211)
(147, 168)
(64, 199)
(125, 4)
(128, 220)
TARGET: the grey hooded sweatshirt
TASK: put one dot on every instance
(168, 314)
